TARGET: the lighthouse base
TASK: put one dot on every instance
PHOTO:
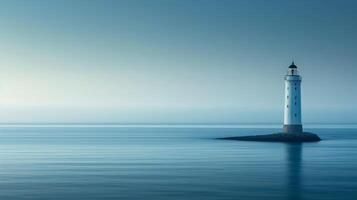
(292, 128)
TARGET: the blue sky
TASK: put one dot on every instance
(169, 61)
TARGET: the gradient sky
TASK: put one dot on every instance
(168, 61)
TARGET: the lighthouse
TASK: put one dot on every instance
(292, 106)
(292, 130)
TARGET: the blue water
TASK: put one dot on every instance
(164, 163)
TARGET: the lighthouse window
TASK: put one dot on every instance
(295, 103)
(288, 97)
(295, 88)
(295, 114)
(287, 106)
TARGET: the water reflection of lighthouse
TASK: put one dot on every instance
(294, 159)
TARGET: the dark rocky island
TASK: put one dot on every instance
(279, 137)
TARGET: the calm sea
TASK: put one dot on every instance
(174, 162)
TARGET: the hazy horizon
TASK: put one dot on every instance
(175, 61)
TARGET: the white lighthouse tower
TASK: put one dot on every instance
(292, 109)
